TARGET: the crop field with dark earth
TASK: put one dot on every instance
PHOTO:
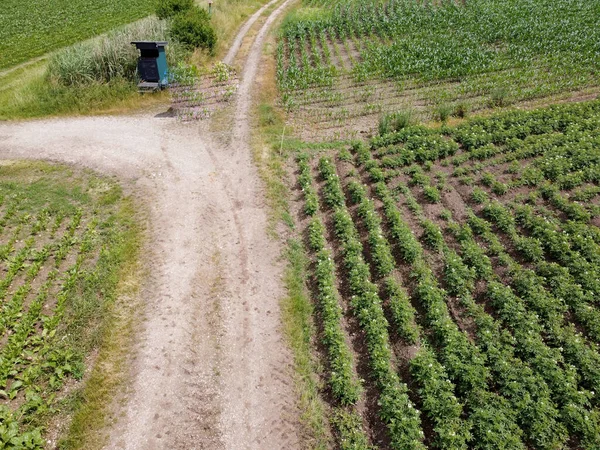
(340, 64)
(333, 225)
(455, 274)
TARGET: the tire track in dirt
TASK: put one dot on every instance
(237, 42)
(264, 426)
(210, 369)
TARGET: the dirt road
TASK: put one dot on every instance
(211, 369)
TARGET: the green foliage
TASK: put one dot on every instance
(432, 194)
(334, 196)
(344, 386)
(31, 28)
(349, 428)
(432, 235)
(192, 28)
(459, 277)
(57, 287)
(497, 49)
(393, 122)
(311, 199)
(403, 236)
(166, 9)
(508, 354)
(105, 58)
(461, 110)
(402, 311)
(479, 195)
(396, 409)
(443, 112)
(498, 97)
(440, 402)
(316, 235)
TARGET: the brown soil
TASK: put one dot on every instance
(210, 369)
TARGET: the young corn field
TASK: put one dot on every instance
(61, 233)
(455, 274)
(340, 64)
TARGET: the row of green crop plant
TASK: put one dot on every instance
(464, 362)
(451, 41)
(547, 400)
(396, 410)
(32, 360)
(525, 282)
(342, 379)
(569, 261)
(545, 432)
(58, 228)
(579, 362)
(436, 391)
(561, 152)
(521, 134)
(585, 358)
(302, 62)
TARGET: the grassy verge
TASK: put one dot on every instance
(91, 406)
(30, 95)
(70, 242)
(271, 150)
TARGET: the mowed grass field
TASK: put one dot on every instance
(31, 28)
(65, 237)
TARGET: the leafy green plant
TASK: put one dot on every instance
(432, 235)
(479, 195)
(192, 28)
(443, 112)
(167, 9)
(396, 121)
(432, 194)
(461, 109)
(222, 72)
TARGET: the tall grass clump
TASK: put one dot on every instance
(395, 121)
(107, 57)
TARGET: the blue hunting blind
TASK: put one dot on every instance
(152, 65)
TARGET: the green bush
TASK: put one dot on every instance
(395, 121)
(170, 8)
(443, 112)
(192, 28)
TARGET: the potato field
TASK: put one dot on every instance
(62, 237)
(456, 274)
